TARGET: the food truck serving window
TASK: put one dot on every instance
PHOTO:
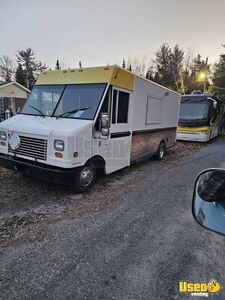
(70, 101)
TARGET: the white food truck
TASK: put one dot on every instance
(78, 121)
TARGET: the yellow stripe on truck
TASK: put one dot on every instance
(111, 74)
(194, 130)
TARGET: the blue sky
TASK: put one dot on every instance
(98, 32)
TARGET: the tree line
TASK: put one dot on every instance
(171, 67)
(24, 69)
(181, 71)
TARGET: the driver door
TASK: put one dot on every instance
(116, 148)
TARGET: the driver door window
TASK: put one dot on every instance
(120, 107)
(106, 108)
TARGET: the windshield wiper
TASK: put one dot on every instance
(72, 112)
(37, 110)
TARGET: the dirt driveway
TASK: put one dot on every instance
(131, 237)
(28, 205)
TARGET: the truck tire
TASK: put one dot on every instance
(161, 151)
(85, 178)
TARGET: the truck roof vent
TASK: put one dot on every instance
(196, 92)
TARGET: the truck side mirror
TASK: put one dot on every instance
(208, 205)
(214, 104)
(104, 124)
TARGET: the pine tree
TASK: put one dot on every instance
(162, 63)
(168, 65)
(149, 74)
(32, 67)
(218, 79)
(219, 74)
(198, 67)
(21, 75)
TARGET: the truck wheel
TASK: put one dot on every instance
(161, 151)
(85, 178)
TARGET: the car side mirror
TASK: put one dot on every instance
(105, 132)
(104, 124)
(208, 205)
(104, 120)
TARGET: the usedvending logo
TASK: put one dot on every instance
(203, 289)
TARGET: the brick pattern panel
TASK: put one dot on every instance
(147, 143)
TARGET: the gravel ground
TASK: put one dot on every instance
(131, 237)
(27, 205)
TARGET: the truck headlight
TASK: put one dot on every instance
(59, 145)
(3, 136)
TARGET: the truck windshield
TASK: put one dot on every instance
(44, 99)
(77, 97)
(194, 110)
(58, 100)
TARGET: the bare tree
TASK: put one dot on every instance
(63, 65)
(7, 68)
(188, 58)
(138, 65)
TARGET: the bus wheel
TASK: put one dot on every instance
(85, 178)
(161, 151)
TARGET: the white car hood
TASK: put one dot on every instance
(43, 126)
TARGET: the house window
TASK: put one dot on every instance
(120, 107)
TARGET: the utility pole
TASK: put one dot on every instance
(57, 66)
(124, 64)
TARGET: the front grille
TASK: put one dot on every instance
(31, 147)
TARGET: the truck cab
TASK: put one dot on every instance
(78, 121)
(63, 132)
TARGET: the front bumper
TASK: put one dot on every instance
(196, 137)
(40, 171)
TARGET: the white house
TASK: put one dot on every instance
(12, 97)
